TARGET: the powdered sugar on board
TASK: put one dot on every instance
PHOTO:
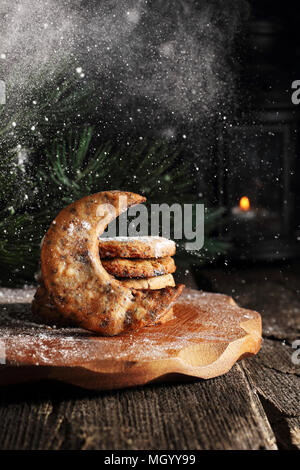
(199, 317)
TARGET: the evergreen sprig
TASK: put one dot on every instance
(73, 168)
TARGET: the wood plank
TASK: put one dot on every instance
(178, 416)
(277, 381)
(275, 293)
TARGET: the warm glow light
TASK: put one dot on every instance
(244, 203)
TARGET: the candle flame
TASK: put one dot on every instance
(244, 203)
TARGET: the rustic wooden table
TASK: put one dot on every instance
(255, 406)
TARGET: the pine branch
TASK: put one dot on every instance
(71, 169)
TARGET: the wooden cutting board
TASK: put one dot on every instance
(207, 336)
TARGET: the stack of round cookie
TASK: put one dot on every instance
(139, 262)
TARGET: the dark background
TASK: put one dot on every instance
(259, 148)
(210, 79)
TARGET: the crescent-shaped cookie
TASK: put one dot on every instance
(78, 285)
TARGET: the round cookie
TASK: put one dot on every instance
(152, 283)
(136, 247)
(139, 268)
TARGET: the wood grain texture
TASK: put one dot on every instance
(272, 374)
(178, 416)
(207, 335)
(255, 405)
(277, 381)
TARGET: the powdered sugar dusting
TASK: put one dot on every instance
(160, 244)
(202, 318)
(86, 225)
(71, 228)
